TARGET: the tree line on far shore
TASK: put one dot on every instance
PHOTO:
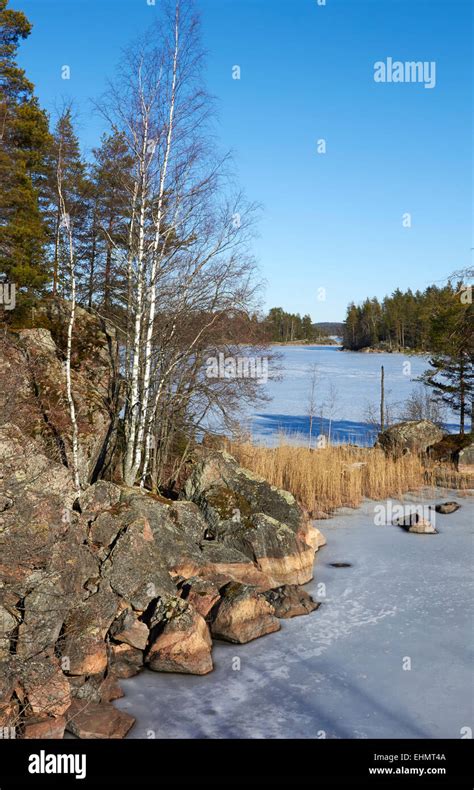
(438, 321)
(403, 321)
(283, 327)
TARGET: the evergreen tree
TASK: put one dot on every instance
(24, 138)
(307, 328)
(452, 365)
(401, 322)
(350, 327)
(287, 327)
(111, 196)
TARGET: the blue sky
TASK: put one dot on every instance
(331, 221)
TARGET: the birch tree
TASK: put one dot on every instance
(66, 227)
(187, 261)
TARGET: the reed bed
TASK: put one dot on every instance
(335, 476)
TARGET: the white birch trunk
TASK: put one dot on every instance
(131, 427)
(144, 411)
(72, 315)
(131, 231)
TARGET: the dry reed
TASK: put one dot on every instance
(335, 476)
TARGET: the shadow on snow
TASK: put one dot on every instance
(297, 427)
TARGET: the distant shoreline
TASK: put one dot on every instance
(303, 343)
(375, 350)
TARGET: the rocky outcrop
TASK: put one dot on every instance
(412, 436)
(93, 589)
(59, 605)
(245, 512)
(33, 391)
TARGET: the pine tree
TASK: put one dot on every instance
(24, 138)
(307, 328)
(452, 365)
(402, 321)
(111, 185)
(350, 327)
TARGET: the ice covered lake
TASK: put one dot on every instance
(347, 384)
(387, 655)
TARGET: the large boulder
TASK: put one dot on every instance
(221, 564)
(183, 642)
(242, 614)
(412, 436)
(97, 720)
(414, 521)
(177, 545)
(290, 601)
(246, 513)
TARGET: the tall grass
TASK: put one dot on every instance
(331, 477)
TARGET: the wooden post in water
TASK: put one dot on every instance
(382, 398)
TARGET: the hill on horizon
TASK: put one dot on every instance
(330, 327)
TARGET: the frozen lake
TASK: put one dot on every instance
(347, 384)
(342, 671)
